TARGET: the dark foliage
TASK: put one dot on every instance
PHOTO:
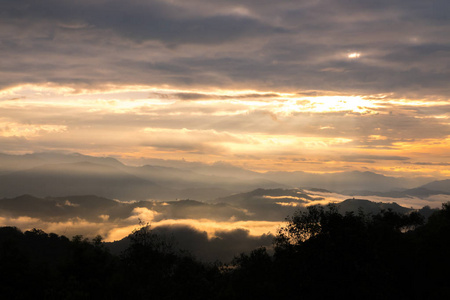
(153, 267)
(37, 265)
(322, 254)
(319, 254)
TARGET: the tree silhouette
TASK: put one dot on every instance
(319, 253)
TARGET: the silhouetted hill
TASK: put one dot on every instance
(269, 204)
(223, 247)
(261, 194)
(26, 205)
(379, 255)
(85, 207)
(370, 207)
(318, 190)
(96, 209)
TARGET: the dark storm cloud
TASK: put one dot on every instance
(202, 96)
(138, 20)
(403, 45)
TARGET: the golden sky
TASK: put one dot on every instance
(258, 130)
(316, 86)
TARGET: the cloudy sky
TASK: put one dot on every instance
(318, 85)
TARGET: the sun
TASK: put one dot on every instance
(321, 104)
(354, 55)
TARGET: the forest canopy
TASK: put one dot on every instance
(355, 255)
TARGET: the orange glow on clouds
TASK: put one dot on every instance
(259, 130)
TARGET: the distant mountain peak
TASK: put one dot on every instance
(438, 185)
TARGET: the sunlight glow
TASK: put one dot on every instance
(258, 130)
(326, 104)
(354, 55)
(11, 129)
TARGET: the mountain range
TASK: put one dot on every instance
(57, 175)
(92, 215)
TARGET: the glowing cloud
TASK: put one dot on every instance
(354, 55)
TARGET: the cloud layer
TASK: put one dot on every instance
(351, 46)
(321, 86)
(241, 222)
(256, 130)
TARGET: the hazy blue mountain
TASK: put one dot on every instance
(59, 174)
(11, 163)
(219, 169)
(38, 174)
(342, 181)
(196, 184)
(419, 192)
(440, 185)
(79, 178)
(339, 181)
(59, 158)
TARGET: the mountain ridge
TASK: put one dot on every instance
(171, 181)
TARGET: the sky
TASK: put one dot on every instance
(317, 86)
